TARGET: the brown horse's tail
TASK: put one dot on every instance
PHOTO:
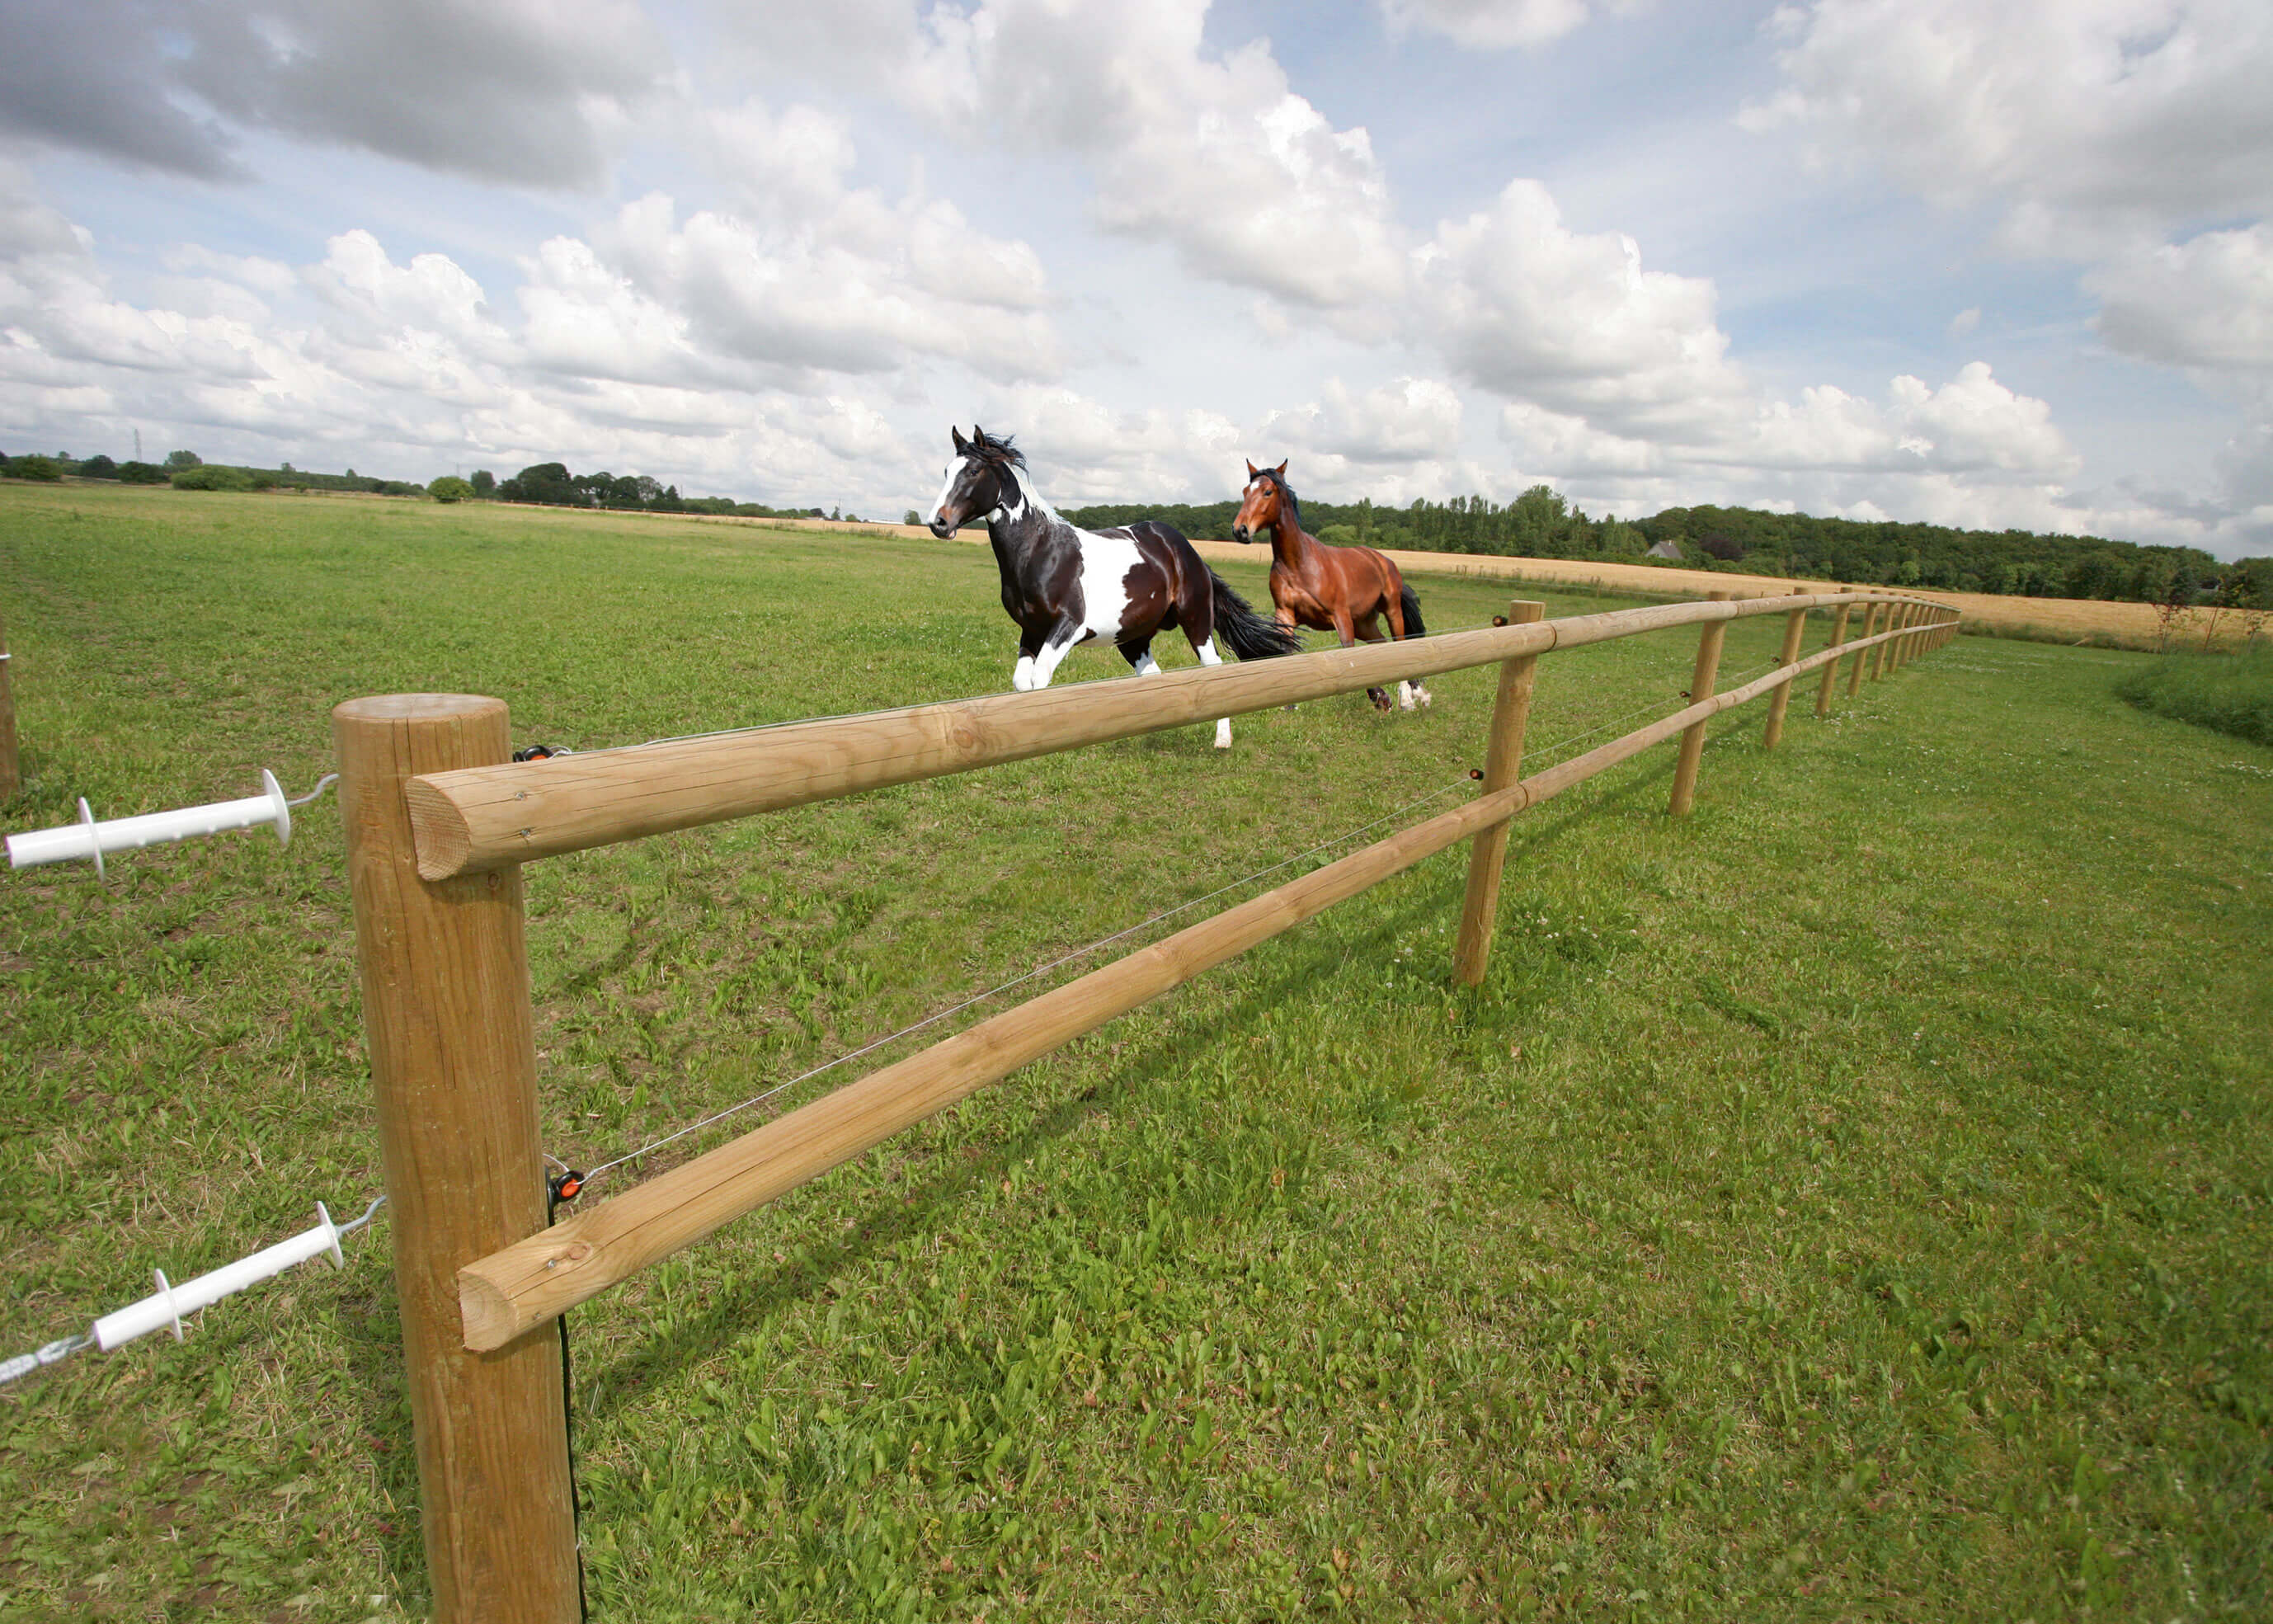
(1245, 632)
(1410, 607)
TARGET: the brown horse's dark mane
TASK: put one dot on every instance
(1287, 497)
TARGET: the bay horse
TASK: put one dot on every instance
(1065, 585)
(1346, 590)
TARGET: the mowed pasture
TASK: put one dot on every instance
(1849, 1202)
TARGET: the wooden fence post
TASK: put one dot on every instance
(1795, 627)
(1870, 627)
(1831, 671)
(1503, 766)
(451, 1034)
(1880, 622)
(1700, 687)
(11, 779)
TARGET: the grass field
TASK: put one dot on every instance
(1851, 1202)
(2232, 693)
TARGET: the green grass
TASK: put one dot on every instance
(1851, 1202)
(2232, 693)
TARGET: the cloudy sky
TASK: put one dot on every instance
(1978, 262)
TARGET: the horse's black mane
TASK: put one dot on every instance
(996, 448)
(1285, 494)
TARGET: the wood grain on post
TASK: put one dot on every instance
(1795, 628)
(11, 778)
(1700, 688)
(447, 1012)
(489, 817)
(1503, 766)
(1831, 668)
(1862, 655)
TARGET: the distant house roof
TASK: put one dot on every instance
(1666, 549)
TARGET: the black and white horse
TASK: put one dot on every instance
(1064, 585)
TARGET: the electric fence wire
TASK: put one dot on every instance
(1017, 980)
(585, 1180)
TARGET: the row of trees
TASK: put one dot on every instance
(186, 471)
(1540, 523)
(552, 485)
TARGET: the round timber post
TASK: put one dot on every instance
(1831, 671)
(11, 779)
(1503, 766)
(448, 1017)
(1862, 660)
(1795, 628)
(1700, 687)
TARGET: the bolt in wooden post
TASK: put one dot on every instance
(10, 777)
(447, 1012)
(1831, 671)
(1795, 628)
(1503, 766)
(1700, 687)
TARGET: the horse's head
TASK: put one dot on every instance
(1261, 503)
(980, 481)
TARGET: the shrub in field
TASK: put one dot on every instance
(212, 477)
(142, 473)
(97, 468)
(34, 468)
(2232, 693)
(178, 460)
(449, 488)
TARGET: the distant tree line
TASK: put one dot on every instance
(552, 485)
(186, 471)
(1539, 523)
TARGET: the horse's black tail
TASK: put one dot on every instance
(1245, 632)
(1410, 607)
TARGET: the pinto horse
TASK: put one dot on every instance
(1339, 589)
(1065, 585)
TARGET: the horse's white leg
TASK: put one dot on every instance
(1421, 693)
(1046, 662)
(1208, 656)
(1022, 674)
(1145, 665)
(1405, 701)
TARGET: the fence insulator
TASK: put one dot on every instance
(166, 1305)
(88, 840)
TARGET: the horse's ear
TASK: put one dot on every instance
(978, 435)
(1280, 470)
(961, 445)
(1251, 470)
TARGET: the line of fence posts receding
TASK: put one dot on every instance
(438, 822)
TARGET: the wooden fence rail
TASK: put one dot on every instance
(439, 823)
(491, 817)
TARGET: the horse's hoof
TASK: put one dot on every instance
(1381, 703)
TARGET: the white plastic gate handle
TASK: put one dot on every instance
(90, 839)
(166, 1305)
